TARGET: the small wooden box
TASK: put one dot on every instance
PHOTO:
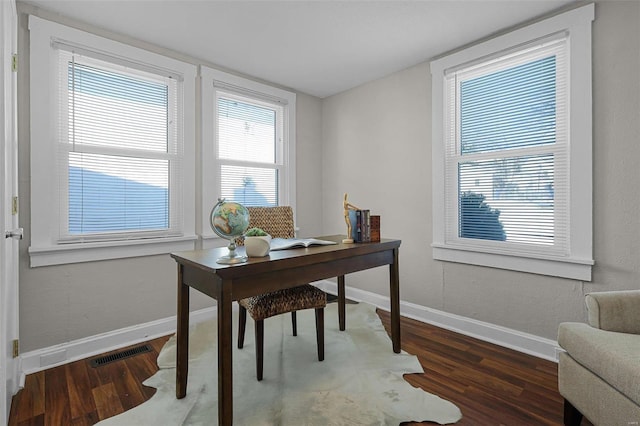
(375, 228)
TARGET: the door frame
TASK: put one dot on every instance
(9, 365)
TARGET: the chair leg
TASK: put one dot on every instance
(572, 417)
(294, 323)
(259, 348)
(242, 322)
(320, 332)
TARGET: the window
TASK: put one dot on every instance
(249, 144)
(512, 158)
(118, 140)
(116, 166)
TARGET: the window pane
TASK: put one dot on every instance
(246, 131)
(109, 193)
(250, 186)
(111, 109)
(508, 199)
(511, 108)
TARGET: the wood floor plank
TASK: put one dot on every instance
(34, 421)
(56, 389)
(32, 400)
(107, 401)
(526, 375)
(79, 388)
(127, 386)
(87, 419)
(38, 395)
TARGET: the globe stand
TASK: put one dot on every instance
(232, 258)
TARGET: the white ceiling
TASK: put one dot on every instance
(316, 47)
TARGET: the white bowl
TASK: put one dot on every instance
(257, 246)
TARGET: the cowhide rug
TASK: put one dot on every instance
(359, 383)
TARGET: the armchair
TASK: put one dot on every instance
(599, 374)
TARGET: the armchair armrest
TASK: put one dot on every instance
(614, 311)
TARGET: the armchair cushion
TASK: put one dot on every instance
(612, 356)
(615, 310)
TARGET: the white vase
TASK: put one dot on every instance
(257, 246)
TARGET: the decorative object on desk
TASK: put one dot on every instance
(360, 382)
(230, 220)
(348, 208)
(257, 242)
(287, 243)
(375, 228)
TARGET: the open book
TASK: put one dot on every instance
(286, 243)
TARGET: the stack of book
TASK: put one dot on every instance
(361, 229)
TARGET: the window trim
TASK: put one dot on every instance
(578, 264)
(210, 79)
(45, 248)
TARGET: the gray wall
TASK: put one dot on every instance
(67, 302)
(386, 126)
(377, 147)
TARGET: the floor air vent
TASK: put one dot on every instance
(127, 353)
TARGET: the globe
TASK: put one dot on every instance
(230, 220)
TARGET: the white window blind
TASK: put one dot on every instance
(249, 135)
(119, 150)
(506, 151)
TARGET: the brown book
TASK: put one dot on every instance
(375, 228)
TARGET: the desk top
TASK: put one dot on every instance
(281, 259)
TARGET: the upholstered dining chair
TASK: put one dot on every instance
(278, 222)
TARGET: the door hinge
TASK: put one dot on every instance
(14, 62)
(14, 206)
(16, 348)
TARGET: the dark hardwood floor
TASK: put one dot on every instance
(78, 394)
(491, 385)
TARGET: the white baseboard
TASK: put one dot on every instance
(41, 359)
(513, 339)
(64, 353)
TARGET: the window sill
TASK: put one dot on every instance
(95, 251)
(577, 269)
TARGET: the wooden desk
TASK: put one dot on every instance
(281, 269)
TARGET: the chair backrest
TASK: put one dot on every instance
(275, 221)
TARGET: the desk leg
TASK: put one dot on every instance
(225, 360)
(182, 336)
(341, 303)
(394, 294)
